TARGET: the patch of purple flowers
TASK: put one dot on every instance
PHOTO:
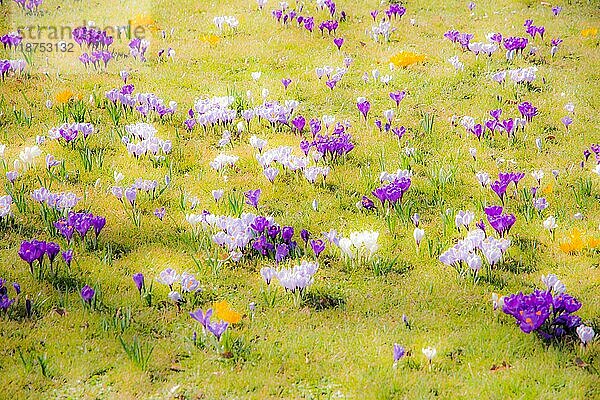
(548, 312)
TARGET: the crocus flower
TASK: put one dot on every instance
(218, 328)
(252, 197)
(160, 213)
(67, 257)
(286, 82)
(418, 235)
(397, 97)
(317, 246)
(363, 106)
(268, 274)
(556, 10)
(338, 42)
(527, 110)
(203, 318)
(131, 195)
(586, 334)
(87, 293)
(138, 279)
(399, 352)
(168, 277)
(567, 121)
(430, 353)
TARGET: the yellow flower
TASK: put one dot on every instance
(406, 58)
(223, 311)
(548, 189)
(589, 32)
(64, 96)
(210, 39)
(145, 20)
(574, 244)
(142, 20)
(594, 243)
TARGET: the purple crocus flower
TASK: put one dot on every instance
(399, 352)
(363, 106)
(287, 232)
(52, 249)
(218, 328)
(67, 257)
(499, 187)
(286, 82)
(527, 110)
(299, 122)
(531, 311)
(259, 224)
(556, 10)
(305, 235)
(160, 213)
(97, 223)
(367, 203)
(281, 252)
(567, 121)
(338, 42)
(252, 197)
(317, 246)
(17, 288)
(397, 96)
(131, 195)
(138, 279)
(499, 221)
(87, 293)
(29, 252)
(203, 318)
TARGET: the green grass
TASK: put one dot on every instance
(338, 343)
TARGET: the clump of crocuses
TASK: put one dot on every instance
(548, 312)
(33, 253)
(80, 223)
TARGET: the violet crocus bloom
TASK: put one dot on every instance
(556, 10)
(287, 232)
(281, 252)
(499, 188)
(317, 246)
(87, 293)
(338, 42)
(218, 328)
(363, 106)
(567, 121)
(286, 82)
(131, 195)
(527, 110)
(160, 213)
(29, 252)
(98, 223)
(399, 352)
(305, 235)
(17, 288)
(397, 96)
(203, 318)
(367, 203)
(299, 122)
(138, 279)
(67, 257)
(252, 197)
(52, 249)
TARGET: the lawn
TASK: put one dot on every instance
(381, 159)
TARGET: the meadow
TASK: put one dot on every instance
(241, 199)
